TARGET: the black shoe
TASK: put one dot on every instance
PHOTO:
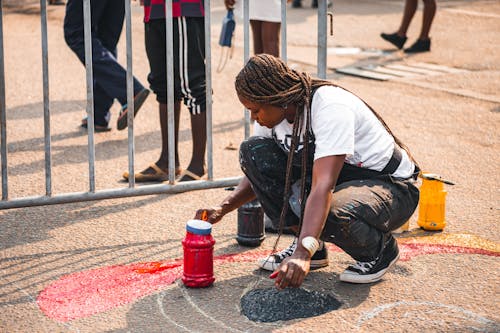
(372, 271)
(419, 46)
(318, 260)
(297, 4)
(394, 39)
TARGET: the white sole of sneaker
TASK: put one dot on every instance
(355, 278)
(267, 264)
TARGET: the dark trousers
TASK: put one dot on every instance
(189, 60)
(109, 76)
(366, 205)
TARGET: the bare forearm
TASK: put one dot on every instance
(315, 214)
(242, 194)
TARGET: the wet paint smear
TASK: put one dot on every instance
(86, 293)
(270, 304)
(90, 292)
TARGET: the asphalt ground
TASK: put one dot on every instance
(111, 265)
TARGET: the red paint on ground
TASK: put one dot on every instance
(86, 293)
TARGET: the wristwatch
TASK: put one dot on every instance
(311, 244)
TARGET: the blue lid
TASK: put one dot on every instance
(198, 227)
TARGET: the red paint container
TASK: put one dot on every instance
(198, 248)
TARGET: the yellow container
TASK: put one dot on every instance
(431, 214)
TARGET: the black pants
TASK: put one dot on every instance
(110, 78)
(189, 60)
(366, 205)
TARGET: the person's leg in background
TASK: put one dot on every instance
(110, 27)
(271, 38)
(193, 87)
(74, 37)
(408, 13)
(399, 38)
(114, 76)
(108, 74)
(155, 44)
(429, 13)
(423, 43)
(266, 37)
(256, 26)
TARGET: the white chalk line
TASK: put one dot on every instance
(203, 313)
(159, 301)
(377, 310)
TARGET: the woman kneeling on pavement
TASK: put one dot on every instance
(324, 164)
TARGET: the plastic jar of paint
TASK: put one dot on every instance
(198, 248)
(432, 204)
(250, 224)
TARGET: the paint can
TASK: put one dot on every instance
(432, 204)
(198, 248)
(250, 224)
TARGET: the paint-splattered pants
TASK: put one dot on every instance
(366, 205)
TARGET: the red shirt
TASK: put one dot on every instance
(155, 9)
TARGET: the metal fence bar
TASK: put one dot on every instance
(284, 54)
(119, 193)
(132, 190)
(90, 91)
(322, 5)
(130, 96)
(208, 91)
(3, 117)
(46, 109)
(170, 91)
(246, 54)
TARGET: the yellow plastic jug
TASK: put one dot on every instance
(432, 205)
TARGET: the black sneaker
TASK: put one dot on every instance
(318, 260)
(420, 45)
(394, 39)
(372, 271)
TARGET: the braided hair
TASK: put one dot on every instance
(266, 79)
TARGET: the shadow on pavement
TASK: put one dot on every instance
(21, 227)
(218, 309)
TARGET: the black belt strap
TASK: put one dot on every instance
(394, 162)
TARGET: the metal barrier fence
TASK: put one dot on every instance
(49, 198)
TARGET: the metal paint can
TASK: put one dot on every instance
(250, 224)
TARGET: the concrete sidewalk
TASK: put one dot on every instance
(77, 267)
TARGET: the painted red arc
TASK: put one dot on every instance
(86, 293)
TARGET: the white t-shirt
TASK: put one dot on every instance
(262, 10)
(343, 124)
